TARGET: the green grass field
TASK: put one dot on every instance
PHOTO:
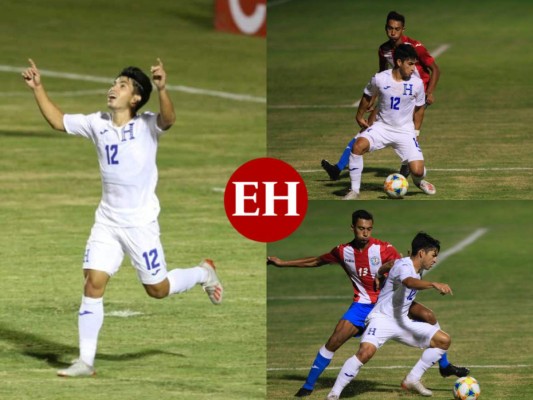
(489, 316)
(475, 137)
(177, 348)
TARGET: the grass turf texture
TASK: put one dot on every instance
(324, 53)
(488, 316)
(181, 347)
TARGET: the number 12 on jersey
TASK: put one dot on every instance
(395, 103)
(111, 153)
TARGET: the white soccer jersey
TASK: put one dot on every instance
(397, 100)
(127, 158)
(395, 299)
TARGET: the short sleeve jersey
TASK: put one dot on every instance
(127, 159)
(395, 298)
(397, 99)
(386, 53)
(361, 266)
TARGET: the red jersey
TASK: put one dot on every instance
(362, 266)
(386, 53)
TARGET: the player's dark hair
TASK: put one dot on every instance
(395, 17)
(405, 52)
(422, 241)
(361, 214)
(141, 84)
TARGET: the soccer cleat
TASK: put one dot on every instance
(453, 370)
(417, 387)
(332, 396)
(303, 392)
(332, 170)
(426, 187)
(78, 368)
(351, 195)
(212, 286)
(405, 170)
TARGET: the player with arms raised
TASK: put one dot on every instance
(126, 218)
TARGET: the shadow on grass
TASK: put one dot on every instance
(57, 354)
(341, 186)
(357, 387)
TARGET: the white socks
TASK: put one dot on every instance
(349, 371)
(429, 357)
(355, 166)
(183, 279)
(90, 320)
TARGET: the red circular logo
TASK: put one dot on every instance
(265, 199)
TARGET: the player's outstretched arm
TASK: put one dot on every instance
(167, 115)
(308, 262)
(419, 284)
(50, 111)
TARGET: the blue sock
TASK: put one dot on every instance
(319, 365)
(345, 157)
(443, 362)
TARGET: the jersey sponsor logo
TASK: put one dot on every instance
(349, 260)
(386, 87)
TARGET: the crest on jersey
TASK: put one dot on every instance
(374, 261)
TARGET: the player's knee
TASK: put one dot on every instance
(442, 340)
(366, 352)
(156, 291)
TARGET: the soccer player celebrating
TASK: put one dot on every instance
(390, 320)
(126, 218)
(401, 104)
(426, 69)
(363, 259)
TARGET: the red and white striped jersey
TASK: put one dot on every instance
(362, 266)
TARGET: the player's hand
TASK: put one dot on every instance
(31, 75)
(159, 76)
(430, 99)
(362, 122)
(443, 288)
(275, 261)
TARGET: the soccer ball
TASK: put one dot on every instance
(466, 388)
(395, 186)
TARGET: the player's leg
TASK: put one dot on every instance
(375, 335)
(351, 324)
(422, 335)
(334, 170)
(144, 247)
(103, 256)
(408, 149)
(355, 165)
(419, 312)
(343, 331)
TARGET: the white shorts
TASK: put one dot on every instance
(107, 245)
(412, 333)
(404, 143)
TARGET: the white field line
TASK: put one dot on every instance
(177, 88)
(460, 246)
(309, 171)
(123, 313)
(437, 52)
(505, 366)
(442, 256)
